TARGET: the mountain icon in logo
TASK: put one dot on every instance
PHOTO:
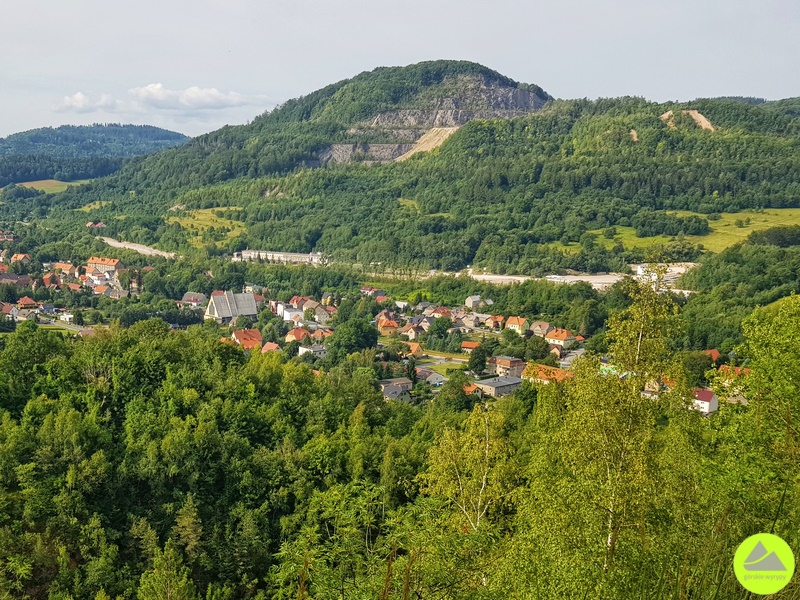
(760, 559)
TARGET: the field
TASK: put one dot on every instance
(52, 186)
(724, 233)
(201, 221)
(94, 206)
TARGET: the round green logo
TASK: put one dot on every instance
(764, 563)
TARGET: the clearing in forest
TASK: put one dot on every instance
(433, 138)
(52, 186)
(698, 117)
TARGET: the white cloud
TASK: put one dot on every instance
(78, 102)
(155, 95)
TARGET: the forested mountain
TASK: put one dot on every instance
(74, 152)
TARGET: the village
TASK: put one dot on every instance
(402, 329)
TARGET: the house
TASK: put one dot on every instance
(318, 350)
(297, 334)
(66, 268)
(117, 294)
(74, 287)
(225, 307)
(413, 332)
(441, 311)
(95, 225)
(397, 388)
(27, 303)
(322, 315)
(310, 305)
(292, 315)
(103, 264)
(8, 311)
(46, 308)
(540, 328)
(732, 381)
(518, 324)
(298, 302)
(705, 401)
(495, 322)
(714, 354)
(321, 334)
(560, 337)
(327, 299)
(468, 347)
(25, 259)
(26, 314)
(270, 347)
(499, 386)
(505, 366)
(477, 303)
(192, 300)
(102, 290)
(248, 339)
(537, 373)
(473, 390)
(66, 317)
(387, 327)
(414, 349)
(434, 379)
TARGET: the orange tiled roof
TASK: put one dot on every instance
(469, 345)
(516, 321)
(559, 334)
(546, 373)
(99, 260)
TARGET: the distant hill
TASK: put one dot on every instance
(73, 152)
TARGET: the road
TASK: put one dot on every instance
(140, 248)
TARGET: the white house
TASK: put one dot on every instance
(705, 402)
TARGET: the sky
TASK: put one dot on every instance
(195, 65)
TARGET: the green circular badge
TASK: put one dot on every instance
(764, 563)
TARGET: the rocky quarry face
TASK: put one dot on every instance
(451, 104)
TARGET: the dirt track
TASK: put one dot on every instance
(140, 248)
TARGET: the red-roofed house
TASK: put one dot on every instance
(248, 339)
(468, 347)
(442, 311)
(545, 374)
(518, 324)
(26, 303)
(714, 354)
(560, 337)
(103, 264)
(298, 334)
(270, 347)
(25, 259)
(387, 326)
(495, 322)
(705, 401)
(102, 290)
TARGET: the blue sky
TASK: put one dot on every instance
(195, 65)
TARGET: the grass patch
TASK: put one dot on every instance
(441, 368)
(201, 221)
(94, 206)
(410, 205)
(52, 186)
(724, 232)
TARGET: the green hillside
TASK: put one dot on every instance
(572, 184)
(74, 152)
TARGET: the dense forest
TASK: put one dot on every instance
(73, 152)
(147, 463)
